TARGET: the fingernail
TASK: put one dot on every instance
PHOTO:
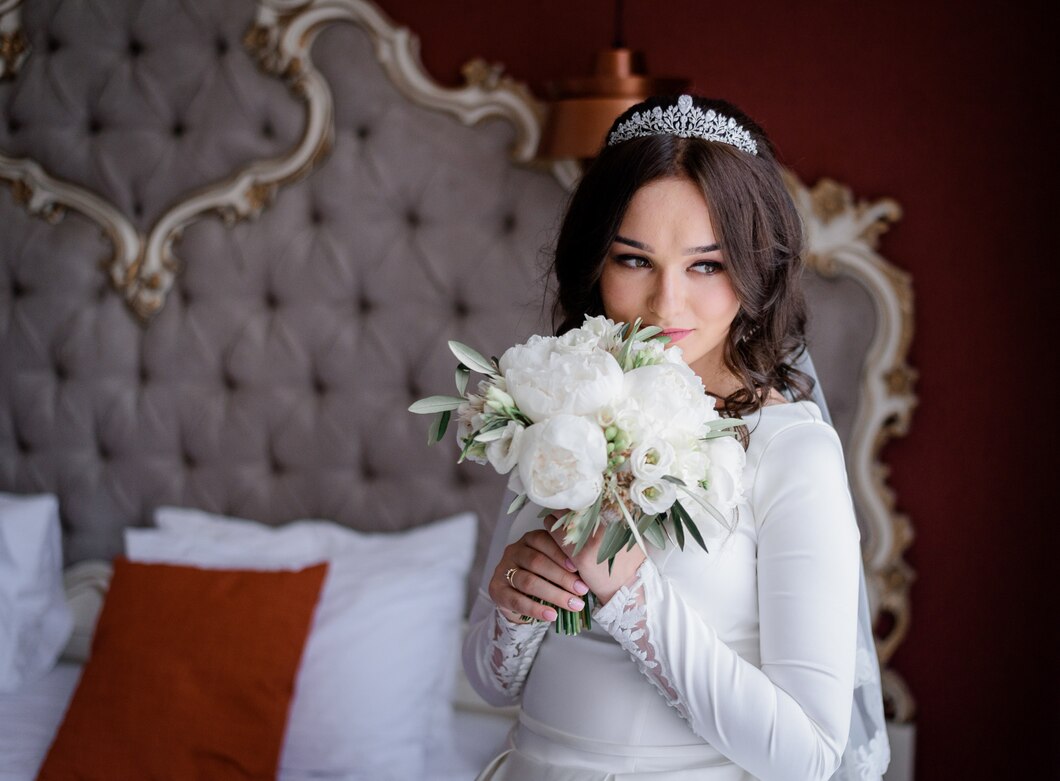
(575, 603)
(570, 565)
(580, 587)
(550, 614)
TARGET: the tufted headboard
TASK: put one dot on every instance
(238, 235)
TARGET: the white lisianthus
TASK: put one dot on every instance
(562, 461)
(470, 419)
(727, 459)
(653, 496)
(545, 381)
(503, 453)
(651, 459)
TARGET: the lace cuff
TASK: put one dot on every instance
(625, 617)
(512, 648)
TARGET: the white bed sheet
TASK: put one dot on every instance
(30, 717)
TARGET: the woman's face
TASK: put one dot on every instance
(666, 268)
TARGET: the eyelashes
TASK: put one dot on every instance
(705, 267)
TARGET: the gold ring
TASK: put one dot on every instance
(510, 576)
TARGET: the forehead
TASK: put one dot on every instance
(668, 211)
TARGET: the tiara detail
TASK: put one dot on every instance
(685, 121)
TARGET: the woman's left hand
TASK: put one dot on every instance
(601, 583)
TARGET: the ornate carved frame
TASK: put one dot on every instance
(843, 236)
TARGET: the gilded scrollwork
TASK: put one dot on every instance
(14, 47)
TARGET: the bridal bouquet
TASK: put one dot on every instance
(606, 428)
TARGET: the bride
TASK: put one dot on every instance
(750, 661)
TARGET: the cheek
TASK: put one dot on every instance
(619, 298)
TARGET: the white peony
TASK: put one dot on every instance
(546, 380)
(651, 459)
(653, 496)
(562, 461)
(671, 402)
(503, 453)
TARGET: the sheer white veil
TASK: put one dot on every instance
(868, 751)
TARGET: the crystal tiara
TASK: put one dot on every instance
(686, 121)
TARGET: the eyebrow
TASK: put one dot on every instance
(647, 248)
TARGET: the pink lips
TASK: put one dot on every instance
(676, 334)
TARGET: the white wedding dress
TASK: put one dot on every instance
(730, 665)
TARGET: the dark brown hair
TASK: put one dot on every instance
(755, 221)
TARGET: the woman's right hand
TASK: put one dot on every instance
(542, 570)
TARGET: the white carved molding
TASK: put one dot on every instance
(842, 236)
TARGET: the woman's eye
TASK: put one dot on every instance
(633, 261)
(708, 267)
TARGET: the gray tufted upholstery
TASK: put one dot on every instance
(143, 102)
(274, 383)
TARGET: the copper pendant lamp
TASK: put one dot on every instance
(581, 109)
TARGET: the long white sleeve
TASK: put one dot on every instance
(789, 718)
(498, 653)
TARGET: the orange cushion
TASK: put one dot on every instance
(191, 675)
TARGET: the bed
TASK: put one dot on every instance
(236, 236)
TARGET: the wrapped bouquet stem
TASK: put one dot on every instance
(604, 427)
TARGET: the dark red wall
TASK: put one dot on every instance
(941, 109)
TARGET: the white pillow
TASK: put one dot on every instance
(35, 621)
(374, 688)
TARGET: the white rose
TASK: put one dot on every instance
(562, 462)
(503, 453)
(545, 385)
(653, 496)
(651, 459)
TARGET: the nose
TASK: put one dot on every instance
(666, 300)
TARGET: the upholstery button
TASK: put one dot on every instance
(135, 48)
(94, 126)
(319, 386)
(60, 373)
(316, 217)
(188, 459)
(508, 223)
(276, 467)
(145, 375)
(271, 301)
(461, 309)
(267, 129)
(221, 45)
(463, 478)
(230, 382)
(13, 125)
(363, 131)
(368, 472)
(104, 452)
(23, 446)
(365, 305)
(415, 391)
(17, 289)
(412, 218)
(185, 296)
(52, 44)
(178, 129)
(138, 209)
